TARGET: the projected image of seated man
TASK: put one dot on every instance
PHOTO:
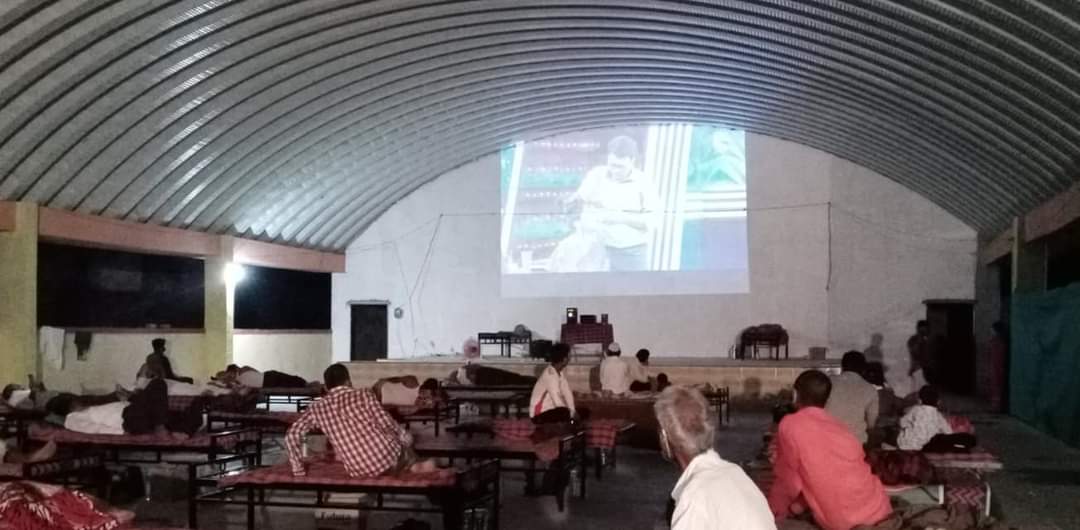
(618, 205)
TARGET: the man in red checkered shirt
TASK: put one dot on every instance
(365, 438)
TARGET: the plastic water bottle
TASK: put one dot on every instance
(575, 482)
(304, 446)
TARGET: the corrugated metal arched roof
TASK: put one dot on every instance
(301, 122)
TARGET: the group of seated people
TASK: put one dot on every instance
(820, 468)
(862, 400)
(621, 376)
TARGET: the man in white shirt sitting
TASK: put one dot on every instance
(552, 401)
(614, 371)
(712, 492)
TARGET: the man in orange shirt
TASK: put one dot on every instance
(820, 465)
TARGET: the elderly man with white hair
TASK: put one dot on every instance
(712, 492)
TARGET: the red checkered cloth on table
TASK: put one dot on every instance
(324, 472)
(599, 433)
(587, 334)
(960, 424)
(964, 487)
(44, 433)
(978, 458)
(545, 450)
(365, 437)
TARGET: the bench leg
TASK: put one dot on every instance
(193, 492)
(582, 474)
(530, 478)
(251, 508)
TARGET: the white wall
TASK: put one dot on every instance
(890, 249)
(305, 354)
(115, 356)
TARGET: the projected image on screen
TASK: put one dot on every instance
(641, 210)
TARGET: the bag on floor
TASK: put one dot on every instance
(126, 486)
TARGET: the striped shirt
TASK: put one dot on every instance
(365, 438)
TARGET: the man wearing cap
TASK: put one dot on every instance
(614, 372)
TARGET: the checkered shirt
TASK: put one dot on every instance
(365, 438)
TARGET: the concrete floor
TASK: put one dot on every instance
(1037, 491)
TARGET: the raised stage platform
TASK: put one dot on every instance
(743, 377)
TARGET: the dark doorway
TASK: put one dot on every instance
(368, 332)
(953, 343)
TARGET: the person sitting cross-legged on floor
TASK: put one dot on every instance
(820, 465)
(924, 428)
(365, 438)
(712, 492)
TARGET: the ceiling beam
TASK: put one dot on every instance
(259, 253)
(7, 216)
(62, 226)
(1053, 215)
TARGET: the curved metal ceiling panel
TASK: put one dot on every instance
(301, 122)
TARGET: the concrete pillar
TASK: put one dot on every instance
(1028, 262)
(987, 311)
(218, 319)
(18, 294)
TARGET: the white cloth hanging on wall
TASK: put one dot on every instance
(51, 346)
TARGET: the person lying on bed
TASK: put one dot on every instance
(407, 391)
(365, 438)
(10, 453)
(145, 412)
(249, 377)
(34, 396)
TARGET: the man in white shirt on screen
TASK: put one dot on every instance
(619, 204)
(614, 371)
(712, 492)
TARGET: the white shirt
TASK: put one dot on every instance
(615, 375)
(251, 378)
(919, 425)
(638, 372)
(101, 419)
(552, 391)
(603, 194)
(713, 493)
